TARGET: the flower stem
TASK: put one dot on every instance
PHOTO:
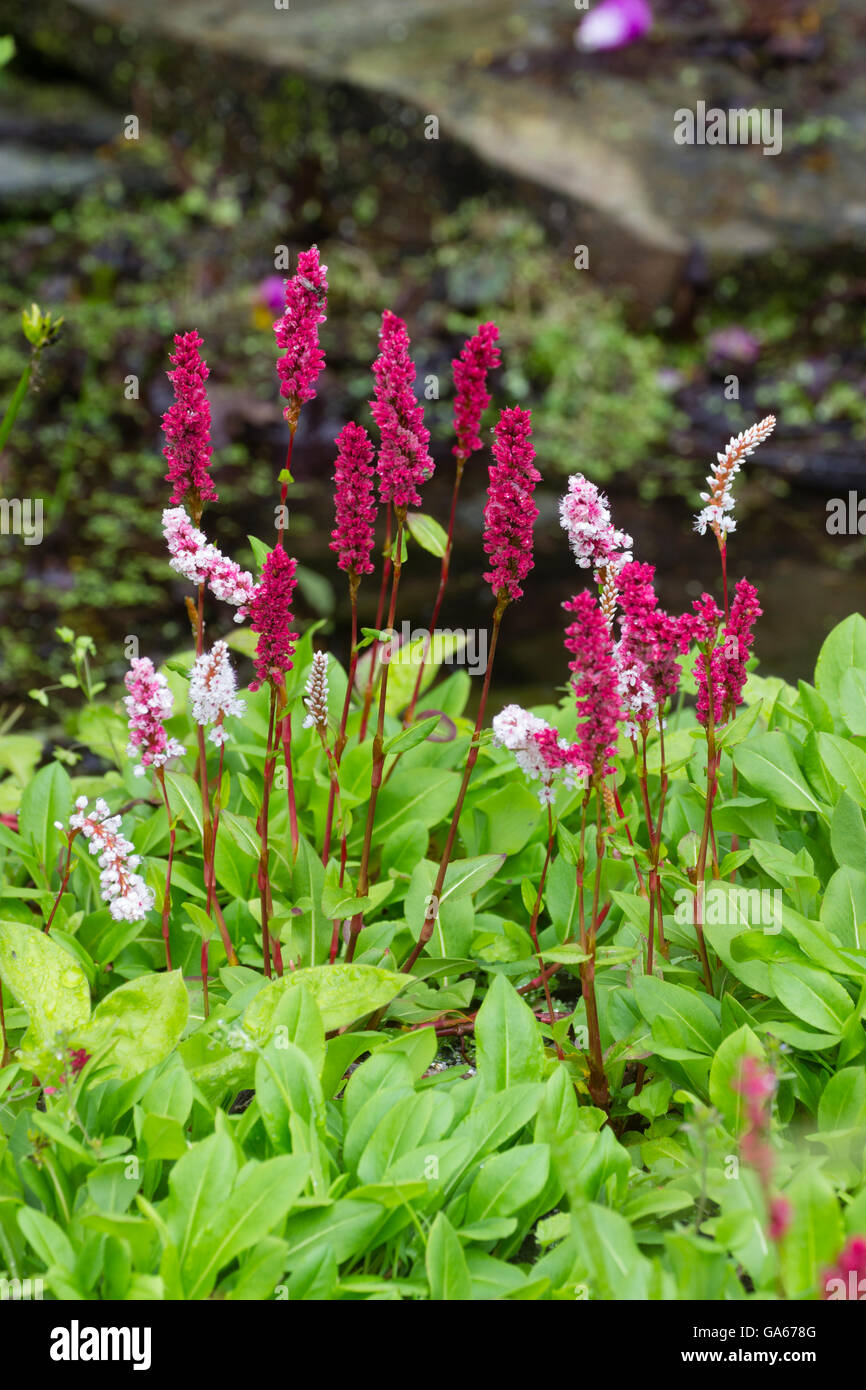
(340, 742)
(533, 925)
(598, 1086)
(378, 744)
(380, 608)
(443, 580)
(264, 882)
(66, 872)
(433, 901)
(166, 902)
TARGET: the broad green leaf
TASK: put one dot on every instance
(140, 1021)
(46, 799)
(814, 1237)
(726, 1074)
(848, 833)
(852, 700)
(260, 1200)
(843, 1102)
(200, 1184)
(813, 996)
(769, 765)
(424, 794)
(287, 1092)
(507, 1182)
(46, 981)
(740, 727)
(844, 764)
(415, 734)
(343, 994)
(184, 798)
(844, 648)
(508, 1040)
(447, 1271)
(427, 533)
(695, 1026)
(843, 909)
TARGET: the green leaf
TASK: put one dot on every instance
(409, 738)
(343, 994)
(507, 1182)
(813, 996)
(843, 1102)
(447, 1270)
(46, 981)
(48, 798)
(852, 700)
(814, 1237)
(843, 909)
(843, 648)
(427, 533)
(844, 763)
(740, 727)
(184, 798)
(848, 833)
(769, 765)
(815, 707)
(200, 1184)
(261, 1199)
(692, 1023)
(725, 1075)
(509, 1045)
(141, 1022)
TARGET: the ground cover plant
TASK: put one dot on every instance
(324, 990)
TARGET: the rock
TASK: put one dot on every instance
(598, 129)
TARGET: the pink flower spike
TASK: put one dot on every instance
(187, 425)
(538, 750)
(471, 397)
(651, 639)
(510, 512)
(193, 556)
(404, 459)
(271, 618)
(613, 24)
(738, 642)
(148, 704)
(297, 333)
(354, 501)
(596, 684)
(781, 1216)
(585, 514)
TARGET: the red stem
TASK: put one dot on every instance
(443, 580)
(433, 908)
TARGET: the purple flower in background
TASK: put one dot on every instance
(734, 344)
(272, 294)
(613, 24)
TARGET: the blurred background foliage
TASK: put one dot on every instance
(132, 240)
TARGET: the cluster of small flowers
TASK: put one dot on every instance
(297, 333)
(354, 501)
(637, 697)
(720, 670)
(125, 891)
(404, 461)
(585, 514)
(187, 423)
(510, 513)
(596, 683)
(271, 618)
(720, 501)
(213, 691)
(471, 397)
(538, 750)
(316, 693)
(148, 704)
(649, 643)
(193, 556)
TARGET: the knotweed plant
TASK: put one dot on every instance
(539, 979)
